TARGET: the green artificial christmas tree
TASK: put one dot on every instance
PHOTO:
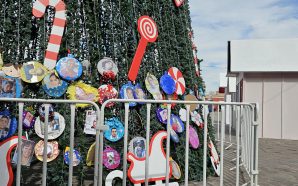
(94, 30)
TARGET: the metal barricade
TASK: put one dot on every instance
(246, 138)
(47, 103)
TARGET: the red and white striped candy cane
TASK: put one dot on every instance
(39, 8)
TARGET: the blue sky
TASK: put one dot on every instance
(217, 21)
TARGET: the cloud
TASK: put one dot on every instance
(216, 22)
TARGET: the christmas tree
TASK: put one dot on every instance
(94, 30)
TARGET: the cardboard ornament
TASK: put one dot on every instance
(106, 92)
(127, 92)
(12, 70)
(176, 74)
(33, 72)
(176, 169)
(41, 112)
(28, 120)
(193, 138)
(148, 31)
(111, 158)
(139, 92)
(107, 68)
(8, 125)
(27, 151)
(197, 119)
(90, 122)
(10, 87)
(162, 115)
(69, 68)
(152, 86)
(76, 157)
(91, 155)
(52, 150)
(176, 123)
(53, 85)
(137, 146)
(115, 131)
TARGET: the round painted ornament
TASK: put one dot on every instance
(193, 138)
(41, 112)
(52, 150)
(176, 74)
(82, 91)
(33, 72)
(127, 92)
(111, 158)
(162, 115)
(106, 92)
(8, 125)
(76, 157)
(107, 68)
(69, 68)
(55, 127)
(137, 146)
(176, 172)
(177, 123)
(53, 85)
(115, 131)
(139, 92)
(10, 87)
(167, 84)
(197, 119)
(28, 120)
(190, 97)
(183, 114)
(12, 70)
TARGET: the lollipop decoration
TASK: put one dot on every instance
(176, 74)
(39, 8)
(148, 31)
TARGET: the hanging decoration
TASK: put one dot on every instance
(176, 124)
(106, 92)
(111, 158)
(90, 122)
(174, 136)
(8, 125)
(152, 86)
(214, 158)
(33, 72)
(91, 155)
(5, 153)
(115, 131)
(107, 68)
(139, 92)
(41, 112)
(137, 146)
(52, 150)
(82, 91)
(10, 87)
(182, 114)
(76, 157)
(167, 84)
(178, 3)
(69, 68)
(127, 92)
(55, 127)
(176, 169)
(38, 10)
(176, 74)
(53, 85)
(148, 31)
(162, 115)
(197, 119)
(193, 138)
(28, 119)
(27, 151)
(12, 70)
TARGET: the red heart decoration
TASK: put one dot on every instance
(178, 2)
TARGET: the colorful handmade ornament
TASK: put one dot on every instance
(214, 158)
(139, 92)
(197, 119)
(69, 68)
(82, 91)
(148, 31)
(38, 10)
(90, 122)
(76, 158)
(12, 70)
(10, 87)
(137, 146)
(162, 115)
(28, 120)
(193, 138)
(91, 155)
(107, 68)
(126, 92)
(115, 131)
(177, 124)
(52, 150)
(190, 97)
(182, 114)
(41, 112)
(106, 92)
(152, 86)
(26, 152)
(175, 169)
(33, 72)
(176, 74)
(178, 2)
(55, 127)
(53, 85)
(174, 136)
(8, 125)
(167, 84)
(111, 158)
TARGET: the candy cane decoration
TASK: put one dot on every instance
(148, 31)
(39, 8)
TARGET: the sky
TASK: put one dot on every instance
(215, 22)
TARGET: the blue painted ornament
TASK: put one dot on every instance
(127, 92)
(174, 136)
(10, 87)
(115, 131)
(167, 84)
(8, 125)
(69, 68)
(162, 115)
(139, 92)
(177, 123)
(76, 157)
(54, 86)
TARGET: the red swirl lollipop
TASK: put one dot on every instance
(148, 31)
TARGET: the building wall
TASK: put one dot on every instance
(276, 94)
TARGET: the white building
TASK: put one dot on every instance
(267, 73)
